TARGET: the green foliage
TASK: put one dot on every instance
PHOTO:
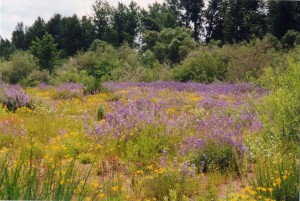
(282, 16)
(19, 66)
(248, 60)
(71, 35)
(290, 39)
(86, 158)
(158, 17)
(36, 77)
(100, 113)
(146, 147)
(170, 45)
(282, 178)
(214, 158)
(46, 52)
(201, 66)
(280, 110)
(6, 48)
(243, 20)
(48, 182)
(18, 36)
(36, 30)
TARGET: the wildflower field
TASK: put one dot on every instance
(144, 141)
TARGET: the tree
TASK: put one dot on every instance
(243, 20)
(53, 27)
(193, 13)
(102, 18)
(283, 16)
(37, 30)
(125, 24)
(71, 35)
(169, 45)
(214, 17)
(88, 32)
(45, 50)
(158, 17)
(6, 48)
(18, 36)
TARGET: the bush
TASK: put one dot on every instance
(279, 111)
(217, 158)
(68, 91)
(248, 60)
(19, 66)
(14, 97)
(290, 39)
(201, 66)
(100, 113)
(36, 77)
(86, 158)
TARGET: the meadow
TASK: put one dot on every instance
(143, 141)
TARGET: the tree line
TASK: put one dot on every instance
(228, 21)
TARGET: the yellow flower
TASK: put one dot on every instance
(95, 183)
(259, 197)
(270, 189)
(278, 181)
(101, 195)
(61, 182)
(284, 177)
(150, 167)
(115, 188)
(88, 199)
(263, 189)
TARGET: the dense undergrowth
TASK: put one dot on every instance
(153, 141)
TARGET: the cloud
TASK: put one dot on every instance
(14, 11)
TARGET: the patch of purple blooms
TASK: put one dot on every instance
(220, 117)
(69, 86)
(14, 97)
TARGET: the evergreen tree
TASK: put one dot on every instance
(6, 48)
(214, 15)
(193, 13)
(53, 27)
(157, 17)
(37, 30)
(45, 50)
(283, 16)
(18, 36)
(125, 24)
(71, 35)
(88, 32)
(102, 18)
(243, 19)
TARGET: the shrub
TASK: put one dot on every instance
(279, 111)
(217, 158)
(201, 66)
(100, 113)
(290, 39)
(36, 77)
(14, 97)
(86, 158)
(68, 91)
(19, 66)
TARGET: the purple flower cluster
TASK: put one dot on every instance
(218, 88)
(14, 97)
(196, 114)
(69, 86)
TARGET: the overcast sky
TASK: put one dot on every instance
(27, 11)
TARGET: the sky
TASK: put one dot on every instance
(27, 11)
